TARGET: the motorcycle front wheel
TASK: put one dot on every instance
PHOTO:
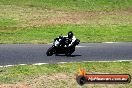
(69, 52)
(50, 51)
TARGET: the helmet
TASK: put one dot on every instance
(70, 34)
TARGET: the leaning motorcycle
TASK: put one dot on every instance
(62, 48)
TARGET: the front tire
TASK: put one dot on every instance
(50, 51)
(70, 51)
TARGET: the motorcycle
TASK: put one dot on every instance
(62, 47)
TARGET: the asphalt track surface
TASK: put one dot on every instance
(13, 54)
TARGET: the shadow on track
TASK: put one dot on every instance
(68, 56)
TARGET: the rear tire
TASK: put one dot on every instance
(50, 51)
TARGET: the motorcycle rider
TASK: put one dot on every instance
(63, 45)
(70, 38)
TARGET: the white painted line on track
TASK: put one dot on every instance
(109, 42)
(64, 63)
(1, 66)
(109, 61)
(39, 63)
(22, 64)
(81, 46)
(123, 60)
(8, 65)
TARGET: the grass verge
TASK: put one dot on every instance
(85, 33)
(88, 5)
(40, 21)
(60, 75)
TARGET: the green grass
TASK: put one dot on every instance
(7, 22)
(83, 32)
(40, 21)
(89, 5)
(23, 21)
(46, 74)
